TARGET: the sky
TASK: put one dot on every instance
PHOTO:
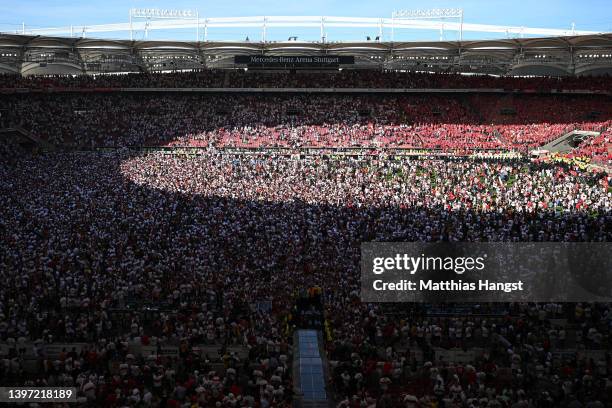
(593, 15)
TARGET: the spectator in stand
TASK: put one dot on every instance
(457, 124)
(339, 79)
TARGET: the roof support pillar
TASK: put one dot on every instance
(322, 29)
(263, 32)
(461, 26)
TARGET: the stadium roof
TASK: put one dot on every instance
(584, 54)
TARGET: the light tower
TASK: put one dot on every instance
(428, 14)
(171, 16)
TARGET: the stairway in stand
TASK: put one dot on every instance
(309, 370)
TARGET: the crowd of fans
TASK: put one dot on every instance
(447, 123)
(195, 79)
(112, 249)
(348, 78)
(206, 253)
(394, 79)
(598, 148)
(525, 371)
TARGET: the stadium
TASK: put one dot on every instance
(182, 222)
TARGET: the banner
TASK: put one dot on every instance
(285, 61)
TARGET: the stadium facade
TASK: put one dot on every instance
(553, 56)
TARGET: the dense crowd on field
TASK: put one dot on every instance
(111, 249)
(445, 123)
(348, 78)
(122, 251)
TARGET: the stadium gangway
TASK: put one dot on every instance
(308, 370)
